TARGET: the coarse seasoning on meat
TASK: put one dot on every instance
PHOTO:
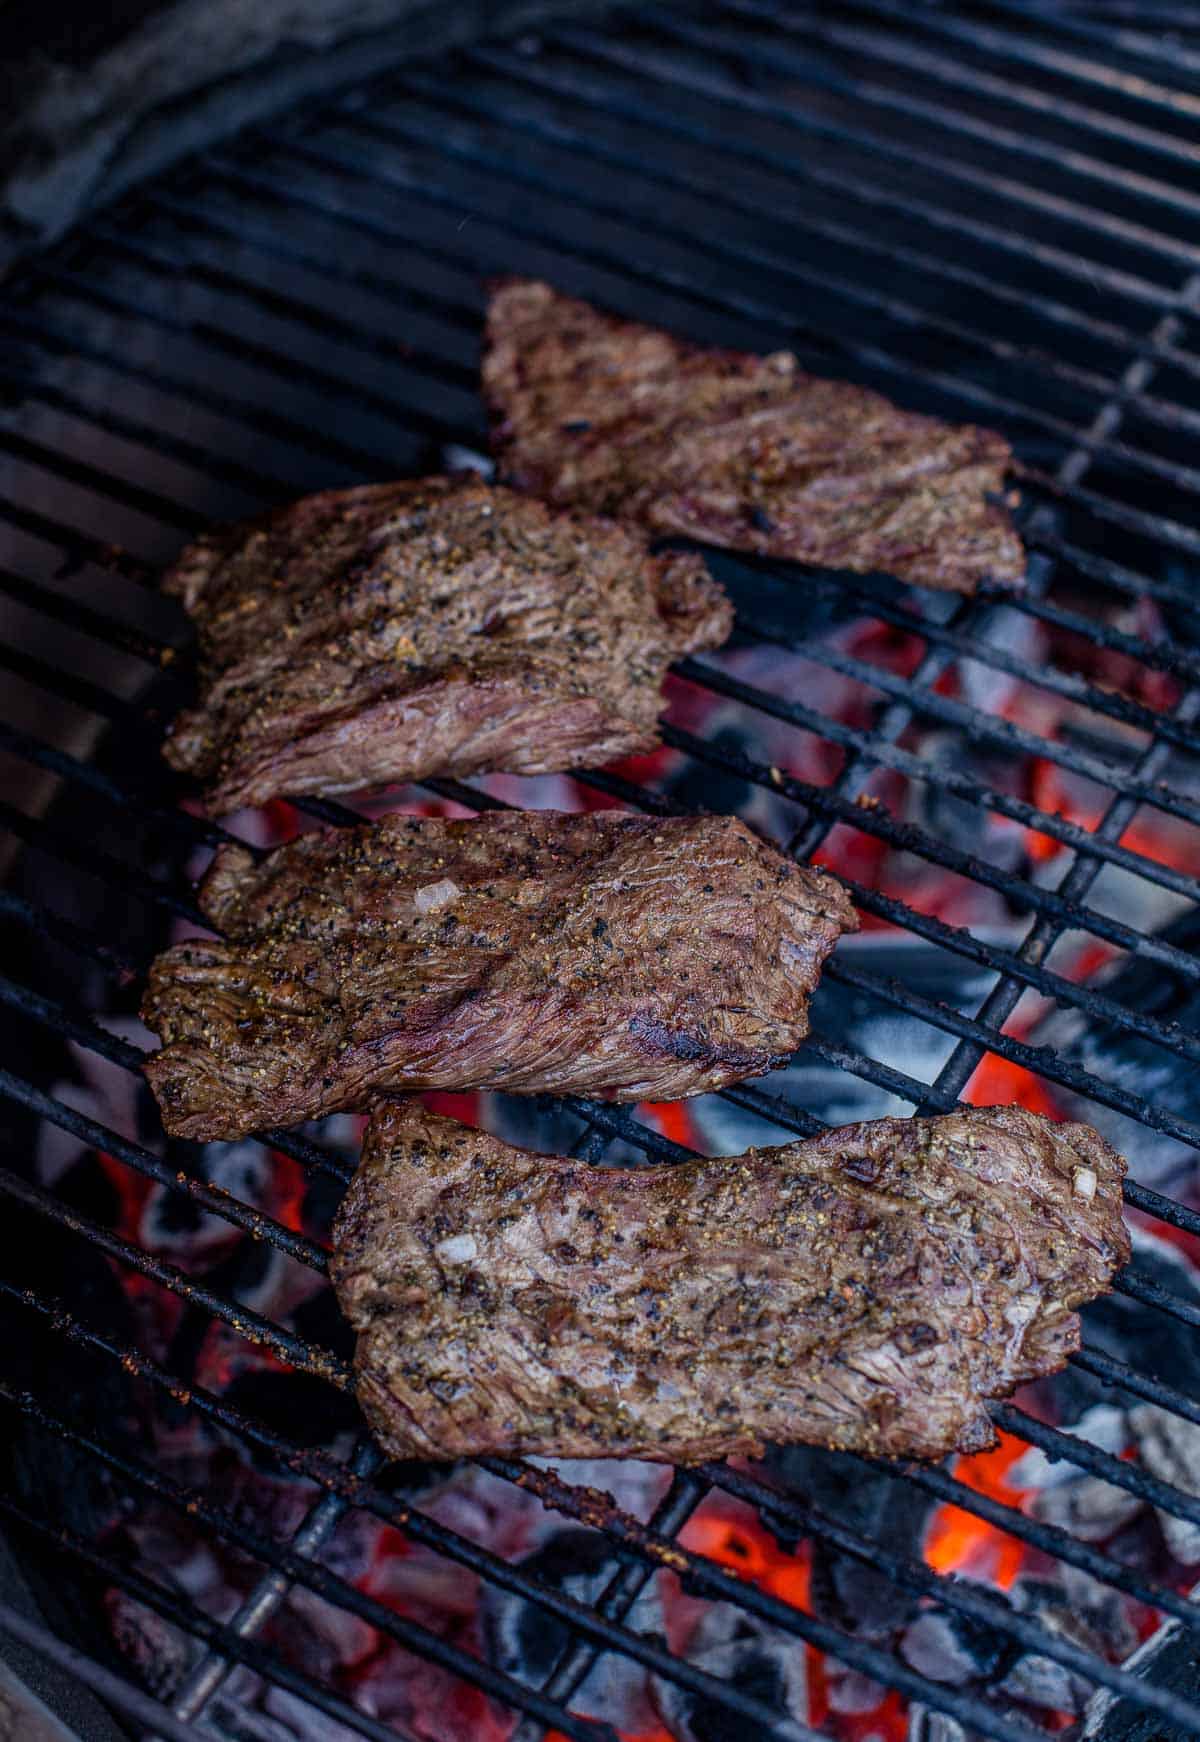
(867, 1290)
(431, 627)
(739, 450)
(602, 954)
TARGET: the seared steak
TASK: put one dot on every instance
(866, 1290)
(430, 627)
(599, 954)
(740, 450)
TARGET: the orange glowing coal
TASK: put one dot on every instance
(289, 1187)
(958, 1542)
(672, 1120)
(132, 1190)
(1152, 834)
(1000, 1082)
(752, 1553)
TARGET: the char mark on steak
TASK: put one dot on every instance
(739, 450)
(431, 627)
(865, 1290)
(603, 954)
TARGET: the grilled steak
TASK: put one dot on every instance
(866, 1290)
(430, 627)
(599, 954)
(739, 450)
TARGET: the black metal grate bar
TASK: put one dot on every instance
(578, 1659)
(213, 1199)
(948, 167)
(943, 115)
(963, 76)
(1097, 73)
(1132, 49)
(322, 1363)
(208, 1675)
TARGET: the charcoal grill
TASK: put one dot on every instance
(989, 212)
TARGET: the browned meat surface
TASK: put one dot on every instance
(431, 627)
(866, 1290)
(739, 450)
(601, 954)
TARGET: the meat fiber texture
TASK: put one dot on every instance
(603, 954)
(431, 627)
(867, 1290)
(739, 450)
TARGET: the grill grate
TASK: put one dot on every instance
(302, 308)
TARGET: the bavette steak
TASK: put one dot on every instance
(431, 627)
(866, 1290)
(626, 956)
(747, 451)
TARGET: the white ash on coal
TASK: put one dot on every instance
(527, 1643)
(951, 1649)
(740, 1652)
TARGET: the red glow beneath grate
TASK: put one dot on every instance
(998, 1081)
(132, 1190)
(672, 1120)
(958, 1542)
(289, 1188)
(749, 1551)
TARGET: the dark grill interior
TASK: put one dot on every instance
(982, 214)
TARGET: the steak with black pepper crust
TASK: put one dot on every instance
(866, 1290)
(734, 449)
(431, 627)
(603, 954)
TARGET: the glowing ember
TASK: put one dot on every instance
(289, 1186)
(670, 1119)
(958, 1542)
(998, 1081)
(752, 1554)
